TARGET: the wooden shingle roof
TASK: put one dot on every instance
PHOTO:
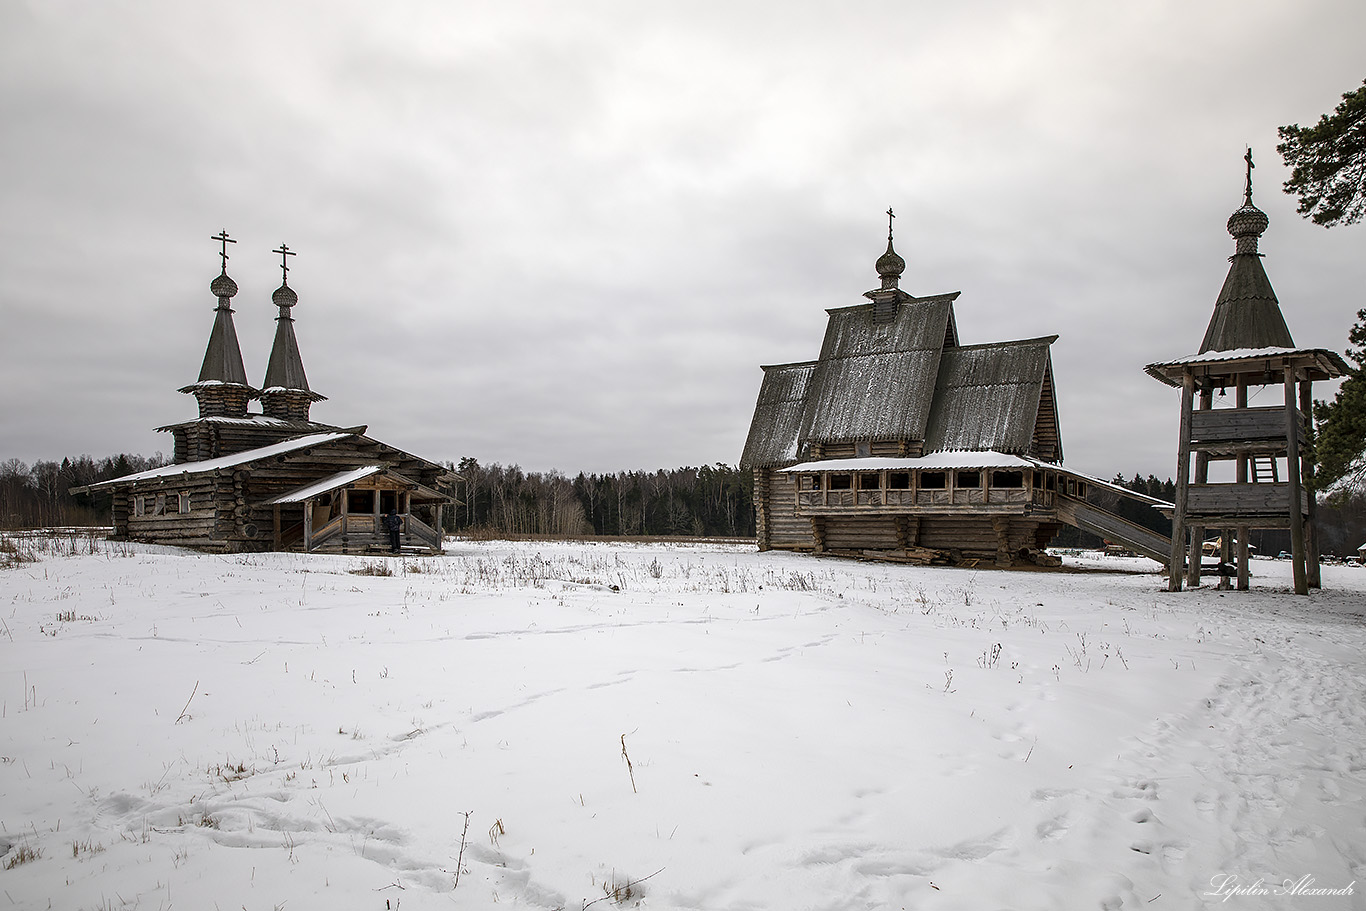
(777, 423)
(875, 379)
(987, 396)
(902, 376)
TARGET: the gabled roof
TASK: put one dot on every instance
(987, 396)
(326, 485)
(777, 422)
(266, 452)
(228, 461)
(875, 379)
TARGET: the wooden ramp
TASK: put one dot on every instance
(1090, 517)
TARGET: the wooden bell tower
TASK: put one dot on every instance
(1247, 350)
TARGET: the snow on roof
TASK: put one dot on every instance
(228, 461)
(960, 459)
(1326, 360)
(1237, 354)
(340, 479)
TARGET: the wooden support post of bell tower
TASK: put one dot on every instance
(1183, 450)
(1292, 472)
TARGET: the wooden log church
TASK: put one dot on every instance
(277, 479)
(901, 443)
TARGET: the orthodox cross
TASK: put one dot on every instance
(1247, 193)
(285, 254)
(224, 239)
(890, 216)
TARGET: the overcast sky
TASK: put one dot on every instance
(566, 235)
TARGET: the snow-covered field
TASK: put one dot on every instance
(691, 727)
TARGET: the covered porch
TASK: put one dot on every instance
(342, 513)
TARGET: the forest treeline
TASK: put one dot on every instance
(708, 501)
(35, 496)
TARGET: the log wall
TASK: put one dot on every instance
(785, 529)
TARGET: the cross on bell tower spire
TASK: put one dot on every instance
(1247, 192)
(223, 238)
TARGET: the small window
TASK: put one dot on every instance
(809, 482)
(840, 481)
(139, 506)
(360, 501)
(160, 508)
(863, 449)
(933, 480)
(898, 480)
(968, 479)
(1007, 479)
(184, 503)
(1081, 488)
(869, 481)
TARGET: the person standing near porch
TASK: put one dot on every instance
(394, 525)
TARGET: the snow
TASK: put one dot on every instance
(181, 730)
(1237, 354)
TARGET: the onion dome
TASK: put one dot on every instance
(223, 286)
(284, 296)
(890, 266)
(1248, 222)
(1247, 313)
(1246, 225)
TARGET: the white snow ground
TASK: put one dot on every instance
(275, 732)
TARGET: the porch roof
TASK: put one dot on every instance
(326, 485)
(350, 476)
